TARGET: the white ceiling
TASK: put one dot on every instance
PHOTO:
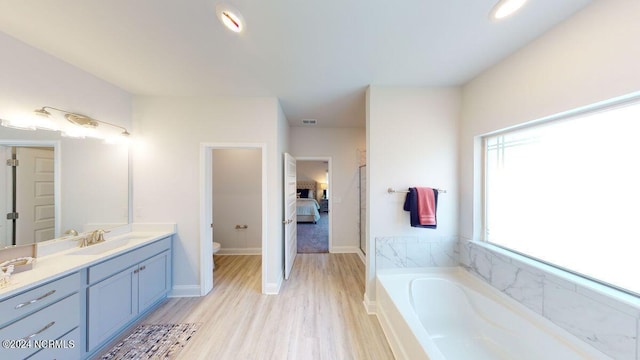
(317, 57)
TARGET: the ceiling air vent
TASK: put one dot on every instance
(309, 121)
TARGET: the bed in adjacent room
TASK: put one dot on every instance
(307, 210)
(306, 205)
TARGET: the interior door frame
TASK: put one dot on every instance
(206, 210)
(329, 167)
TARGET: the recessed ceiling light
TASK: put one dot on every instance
(505, 8)
(230, 17)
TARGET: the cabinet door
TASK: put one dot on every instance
(154, 280)
(112, 303)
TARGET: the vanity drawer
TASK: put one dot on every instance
(66, 347)
(37, 298)
(49, 323)
(126, 260)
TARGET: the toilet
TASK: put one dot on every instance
(216, 248)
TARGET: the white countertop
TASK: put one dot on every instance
(59, 259)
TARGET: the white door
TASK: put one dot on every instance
(34, 195)
(290, 226)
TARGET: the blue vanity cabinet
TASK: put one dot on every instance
(154, 280)
(66, 347)
(41, 318)
(112, 305)
(123, 288)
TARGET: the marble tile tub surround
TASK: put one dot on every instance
(604, 318)
(412, 251)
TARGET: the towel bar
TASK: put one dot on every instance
(391, 191)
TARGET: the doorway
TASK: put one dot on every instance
(236, 201)
(314, 233)
(211, 170)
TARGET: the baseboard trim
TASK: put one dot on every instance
(344, 249)
(240, 251)
(369, 305)
(272, 288)
(185, 291)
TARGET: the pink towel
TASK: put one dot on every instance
(426, 206)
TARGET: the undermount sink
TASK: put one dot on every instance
(105, 246)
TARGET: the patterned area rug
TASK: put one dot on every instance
(314, 238)
(153, 341)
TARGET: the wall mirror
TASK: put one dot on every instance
(58, 184)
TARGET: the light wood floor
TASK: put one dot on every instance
(317, 315)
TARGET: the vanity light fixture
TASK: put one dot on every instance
(505, 8)
(81, 122)
(230, 17)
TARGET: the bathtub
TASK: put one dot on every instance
(446, 313)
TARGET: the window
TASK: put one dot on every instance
(567, 192)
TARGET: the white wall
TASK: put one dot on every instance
(591, 57)
(166, 169)
(237, 200)
(312, 170)
(411, 141)
(30, 79)
(341, 144)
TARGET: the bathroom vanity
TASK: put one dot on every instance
(76, 300)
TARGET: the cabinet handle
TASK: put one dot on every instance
(136, 271)
(39, 331)
(34, 300)
(142, 267)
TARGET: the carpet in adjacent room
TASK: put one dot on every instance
(314, 238)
